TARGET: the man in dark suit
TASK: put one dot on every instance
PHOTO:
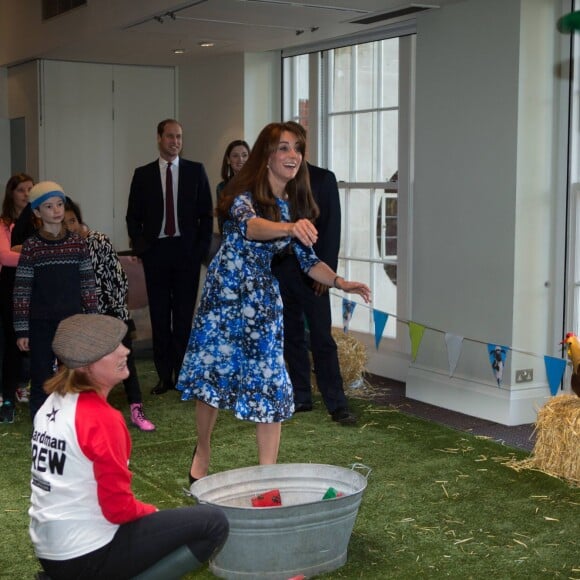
(169, 220)
(306, 299)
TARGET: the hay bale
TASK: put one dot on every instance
(557, 448)
(352, 358)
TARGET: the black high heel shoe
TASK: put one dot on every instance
(192, 479)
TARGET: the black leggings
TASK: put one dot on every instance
(143, 542)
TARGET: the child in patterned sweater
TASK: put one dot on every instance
(54, 280)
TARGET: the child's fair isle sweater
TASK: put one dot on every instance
(54, 280)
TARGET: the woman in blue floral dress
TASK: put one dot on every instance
(234, 359)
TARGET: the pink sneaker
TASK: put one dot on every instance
(138, 418)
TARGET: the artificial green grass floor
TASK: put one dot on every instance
(439, 503)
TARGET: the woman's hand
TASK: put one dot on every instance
(319, 289)
(304, 231)
(322, 274)
(22, 344)
(354, 288)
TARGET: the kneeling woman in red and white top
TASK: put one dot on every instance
(85, 520)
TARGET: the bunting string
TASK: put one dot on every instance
(555, 367)
(435, 329)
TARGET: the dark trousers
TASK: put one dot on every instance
(172, 279)
(2, 342)
(141, 543)
(42, 360)
(12, 360)
(131, 383)
(300, 303)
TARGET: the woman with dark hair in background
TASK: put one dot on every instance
(12, 361)
(235, 354)
(235, 156)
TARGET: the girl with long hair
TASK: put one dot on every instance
(11, 359)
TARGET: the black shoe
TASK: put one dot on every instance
(343, 416)
(302, 407)
(162, 387)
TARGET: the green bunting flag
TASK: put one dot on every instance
(416, 334)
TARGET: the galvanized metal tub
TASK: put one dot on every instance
(306, 535)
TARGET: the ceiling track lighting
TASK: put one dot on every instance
(171, 14)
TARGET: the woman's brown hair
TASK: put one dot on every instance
(253, 178)
(66, 381)
(227, 172)
(9, 214)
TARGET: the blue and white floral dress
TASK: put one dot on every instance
(235, 357)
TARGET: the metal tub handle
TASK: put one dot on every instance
(361, 467)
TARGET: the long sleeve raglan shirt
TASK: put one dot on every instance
(81, 483)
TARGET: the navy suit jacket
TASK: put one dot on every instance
(325, 190)
(194, 208)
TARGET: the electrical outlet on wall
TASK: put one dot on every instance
(524, 375)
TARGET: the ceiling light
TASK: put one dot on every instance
(206, 44)
(179, 51)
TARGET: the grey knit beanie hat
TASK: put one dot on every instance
(83, 339)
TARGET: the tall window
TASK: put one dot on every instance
(296, 89)
(358, 122)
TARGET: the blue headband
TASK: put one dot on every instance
(41, 199)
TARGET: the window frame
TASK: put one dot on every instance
(318, 153)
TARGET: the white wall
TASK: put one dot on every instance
(262, 92)
(98, 122)
(482, 210)
(225, 98)
(211, 110)
(541, 186)
(76, 136)
(23, 98)
(4, 128)
(143, 96)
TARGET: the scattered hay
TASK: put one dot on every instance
(353, 358)
(557, 448)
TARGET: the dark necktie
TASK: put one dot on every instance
(169, 211)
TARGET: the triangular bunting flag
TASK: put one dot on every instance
(348, 307)
(497, 355)
(454, 346)
(555, 368)
(416, 334)
(380, 319)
